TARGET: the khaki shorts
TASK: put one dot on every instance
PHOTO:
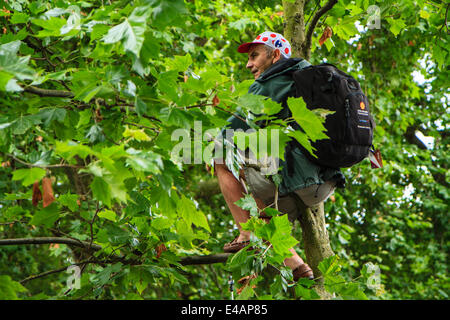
(264, 189)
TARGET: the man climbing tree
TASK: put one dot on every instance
(269, 62)
(93, 91)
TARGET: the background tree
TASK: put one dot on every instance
(92, 91)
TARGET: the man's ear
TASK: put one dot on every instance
(276, 55)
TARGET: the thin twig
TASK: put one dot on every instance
(91, 224)
(141, 126)
(232, 113)
(44, 167)
(12, 222)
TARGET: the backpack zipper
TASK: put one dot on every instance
(347, 117)
(347, 109)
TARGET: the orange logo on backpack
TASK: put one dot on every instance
(362, 105)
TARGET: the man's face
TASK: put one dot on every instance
(258, 60)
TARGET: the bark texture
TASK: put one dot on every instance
(294, 30)
(316, 242)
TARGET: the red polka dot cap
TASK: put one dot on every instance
(272, 39)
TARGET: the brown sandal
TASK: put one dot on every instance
(235, 246)
(303, 271)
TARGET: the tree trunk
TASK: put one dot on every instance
(294, 30)
(316, 243)
(315, 237)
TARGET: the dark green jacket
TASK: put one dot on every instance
(276, 83)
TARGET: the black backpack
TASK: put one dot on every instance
(350, 128)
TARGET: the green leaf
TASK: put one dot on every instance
(138, 134)
(347, 29)
(179, 63)
(29, 176)
(14, 213)
(131, 31)
(306, 294)
(302, 138)
(51, 27)
(150, 48)
(252, 102)
(237, 259)
(329, 265)
(108, 214)
(14, 66)
(70, 149)
(162, 223)
(144, 161)
(117, 235)
(19, 17)
(187, 210)
(85, 117)
(278, 286)
(23, 123)
(396, 25)
(352, 292)
(46, 216)
(88, 96)
(104, 276)
(69, 200)
(278, 232)
(73, 25)
(308, 120)
(99, 30)
(246, 294)
(95, 134)
(49, 115)
(9, 288)
(248, 203)
(101, 190)
(140, 106)
(271, 107)
(167, 12)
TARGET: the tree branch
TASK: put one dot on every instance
(411, 137)
(327, 7)
(209, 259)
(49, 93)
(189, 260)
(44, 274)
(48, 240)
(44, 167)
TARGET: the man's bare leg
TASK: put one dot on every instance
(232, 191)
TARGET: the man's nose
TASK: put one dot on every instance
(249, 65)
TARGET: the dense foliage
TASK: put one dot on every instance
(92, 92)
